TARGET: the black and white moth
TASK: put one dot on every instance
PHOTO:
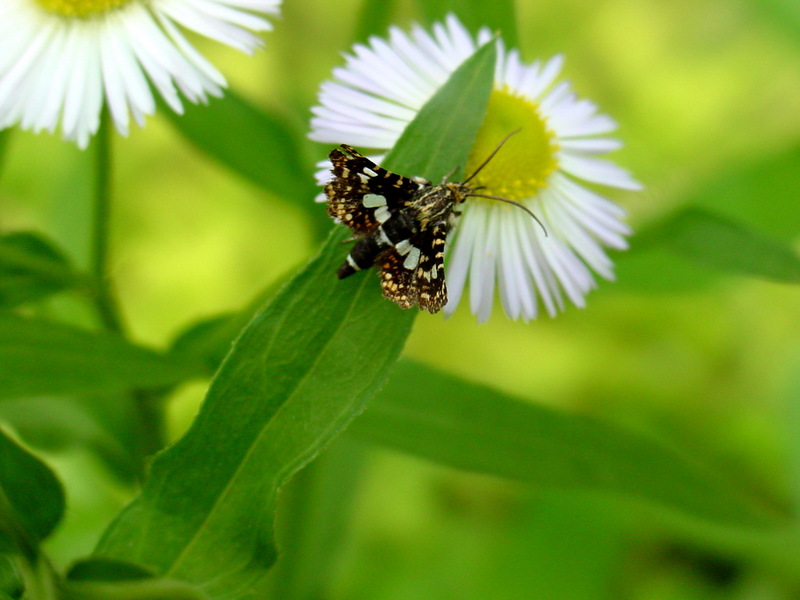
(399, 224)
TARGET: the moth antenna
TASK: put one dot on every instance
(447, 177)
(515, 203)
(491, 156)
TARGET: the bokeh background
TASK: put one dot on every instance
(707, 95)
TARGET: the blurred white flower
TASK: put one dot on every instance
(61, 59)
(381, 88)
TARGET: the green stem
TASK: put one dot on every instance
(104, 298)
(149, 425)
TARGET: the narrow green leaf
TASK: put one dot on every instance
(719, 243)
(31, 268)
(499, 15)
(295, 378)
(31, 498)
(44, 358)
(468, 426)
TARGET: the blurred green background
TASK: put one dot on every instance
(707, 95)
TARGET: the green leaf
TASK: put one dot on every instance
(295, 378)
(31, 268)
(44, 358)
(468, 426)
(499, 15)
(31, 498)
(716, 242)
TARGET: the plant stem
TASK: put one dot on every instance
(149, 422)
(104, 298)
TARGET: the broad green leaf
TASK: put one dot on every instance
(719, 243)
(45, 358)
(31, 268)
(499, 15)
(295, 378)
(31, 498)
(451, 421)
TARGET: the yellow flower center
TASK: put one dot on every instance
(521, 168)
(80, 8)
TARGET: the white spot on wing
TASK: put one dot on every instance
(373, 200)
(382, 214)
(352, 263)
(403, 247)
(370, 172)
(383, 239)
(412, 259)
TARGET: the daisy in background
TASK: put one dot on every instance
(61, 59)
(379, 91)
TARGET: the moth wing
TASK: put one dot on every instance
(396, 279)
(363, 195)
(428, 275)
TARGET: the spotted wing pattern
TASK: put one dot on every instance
(396, 280)
(363, 195)
(420, 282)
(429, 274)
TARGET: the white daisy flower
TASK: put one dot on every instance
(61, 59)
(544, 166)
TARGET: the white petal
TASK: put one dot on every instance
(590, 145)
(597, 171)
(459, 257)
(54, 67)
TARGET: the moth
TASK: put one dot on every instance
(400, 224)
